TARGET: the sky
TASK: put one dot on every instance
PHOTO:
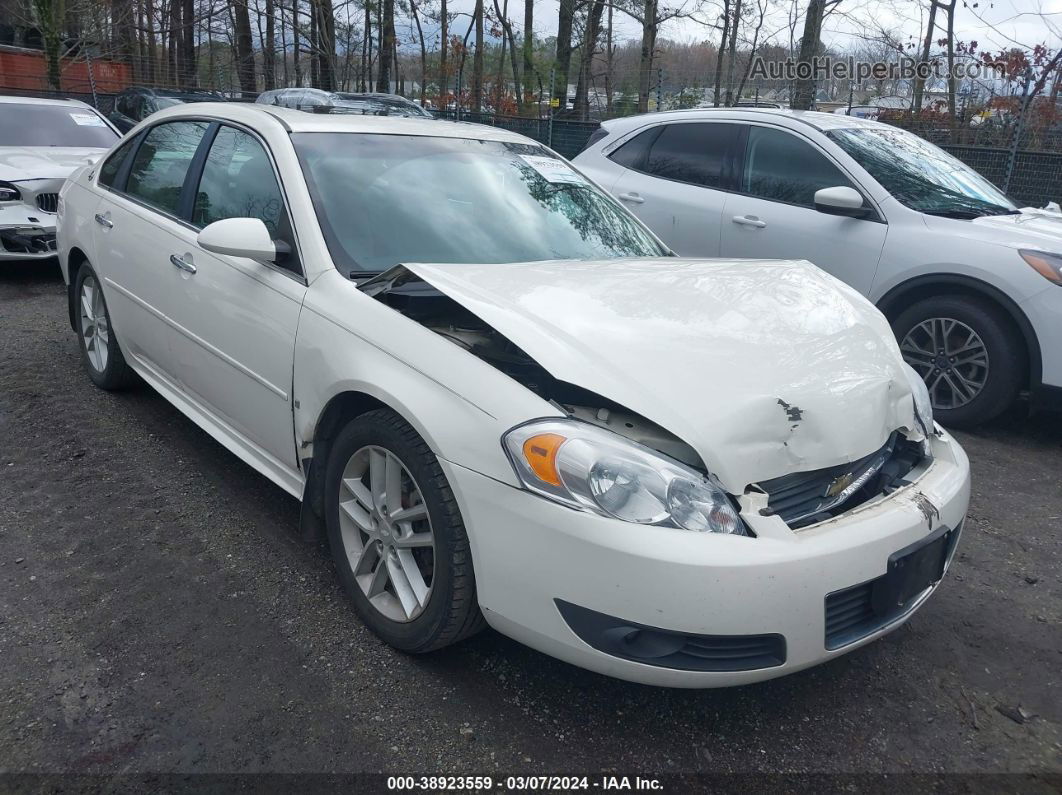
(994, 24)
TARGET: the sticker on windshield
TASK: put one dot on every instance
(553, 170)
(87, 120)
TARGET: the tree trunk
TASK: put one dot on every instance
(720, 53)
(950, 9)
(151, 72)
(314, 47)
(927, 43)
(645, 67)
(804, 88)
(326, 43)
(609, 51)
(564, 53)
(269, 49)
(529, 52)
(188, 55)
(244, 46)
(173, 53)
(423, 51)
(731, 56)
(510, 37)
(296, 64)
(477, 61)
(366, 51)
(50, 15)
(387, 46)
(444, 78)
(593, 30)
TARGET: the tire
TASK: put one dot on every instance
(105, 364)
(450, 610)
(990, 354)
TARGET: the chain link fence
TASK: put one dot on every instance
(1021, 156)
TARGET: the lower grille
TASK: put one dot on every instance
(666, 649)
(858, 611)
(849, 615)
(804, 498)
(48, 202)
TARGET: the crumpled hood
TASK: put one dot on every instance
(19, 163)
(1033, 228)
(763, 367)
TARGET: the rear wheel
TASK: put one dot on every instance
(968, 353)
(100, 351)
(396, 536)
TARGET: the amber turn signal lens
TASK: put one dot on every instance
(541, 455)
(1047, 265)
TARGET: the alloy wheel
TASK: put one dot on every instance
(951, 358)
(95, 330)
(387, 533)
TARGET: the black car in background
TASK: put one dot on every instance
(137, 103)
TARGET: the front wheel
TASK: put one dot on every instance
(968, 353)
(396, 536)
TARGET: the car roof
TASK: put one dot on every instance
(42, 101)
(818, 120)
(300, 121)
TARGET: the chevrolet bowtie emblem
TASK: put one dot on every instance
(839, 484)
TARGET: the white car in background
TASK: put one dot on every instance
(504, 400)
(971, 283)
(42, 141)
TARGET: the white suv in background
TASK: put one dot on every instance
(971, 283)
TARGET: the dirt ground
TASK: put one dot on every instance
(159, 615)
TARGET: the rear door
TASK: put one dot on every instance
(676, 181)
(773, 215)
(137, 222)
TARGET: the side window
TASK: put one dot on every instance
(696, 153)
(632, 154)
(162, 161)
(781, 167)
(113, 164)
(239, 182)
(123, 105)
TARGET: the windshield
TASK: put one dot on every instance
(921, 175)
(388, 199)
(53, 125)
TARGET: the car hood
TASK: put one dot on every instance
(19, 163)
(1031, 228)
(763, 367)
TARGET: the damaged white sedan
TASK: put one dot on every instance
(682, 472)
(42, 141)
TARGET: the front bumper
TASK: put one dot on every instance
(26, 233)
(1044, 311)
(532, 557)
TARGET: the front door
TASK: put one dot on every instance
(772, 213)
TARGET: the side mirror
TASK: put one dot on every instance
(840, 201)
(239, 237)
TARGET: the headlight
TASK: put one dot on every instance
(1047, 265)
(592, 469)
(923, 406)
(9, 193)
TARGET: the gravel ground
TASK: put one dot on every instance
(159, 615)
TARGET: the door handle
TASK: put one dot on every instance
(633, 198)
(749, 220)
(105, 222)
(187, 267)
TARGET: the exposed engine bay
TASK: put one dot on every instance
(441, 314)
